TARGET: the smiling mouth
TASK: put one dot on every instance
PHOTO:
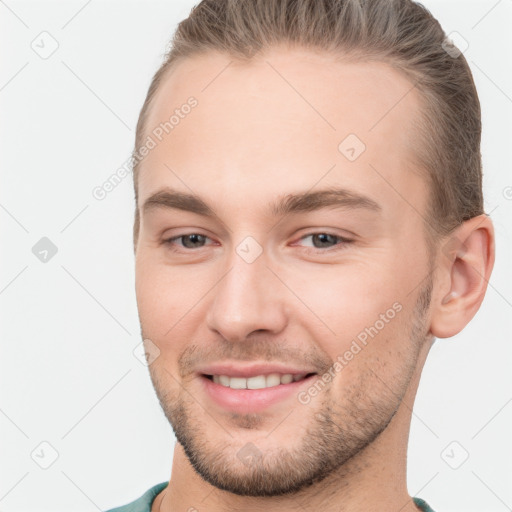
(258, 381)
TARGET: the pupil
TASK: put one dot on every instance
(194, 238)
(324, 239)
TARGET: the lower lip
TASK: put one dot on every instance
(244, 401)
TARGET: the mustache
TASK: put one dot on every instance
(197, 354)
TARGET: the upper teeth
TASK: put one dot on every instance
(257, 382)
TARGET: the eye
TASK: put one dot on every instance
(318, 241)
(326, 241)
(188, 241)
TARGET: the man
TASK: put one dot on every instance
(309, 219)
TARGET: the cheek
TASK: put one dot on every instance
(344, 300)
(356, 315)
(164, 295)
(372, 367)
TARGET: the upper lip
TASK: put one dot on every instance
(251, 370)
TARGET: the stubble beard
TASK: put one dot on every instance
(334, 434)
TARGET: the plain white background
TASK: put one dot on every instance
(69, 375)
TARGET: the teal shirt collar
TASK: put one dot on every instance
(143, 504)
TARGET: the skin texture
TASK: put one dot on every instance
(261, 131)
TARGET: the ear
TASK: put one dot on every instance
(465, 264)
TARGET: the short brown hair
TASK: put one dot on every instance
(401, 33)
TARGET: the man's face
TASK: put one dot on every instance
(302, 289)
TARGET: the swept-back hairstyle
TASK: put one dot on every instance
(400, 33)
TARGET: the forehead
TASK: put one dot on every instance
(277, 122)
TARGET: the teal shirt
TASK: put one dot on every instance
(143, 504)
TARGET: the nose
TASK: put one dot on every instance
(248, 298)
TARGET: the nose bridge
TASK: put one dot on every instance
(247, 298)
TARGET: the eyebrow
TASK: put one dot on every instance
(291, 203)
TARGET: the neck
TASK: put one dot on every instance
(373, 480)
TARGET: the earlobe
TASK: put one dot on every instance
(465, 260)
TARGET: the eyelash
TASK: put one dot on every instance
(342, 242)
